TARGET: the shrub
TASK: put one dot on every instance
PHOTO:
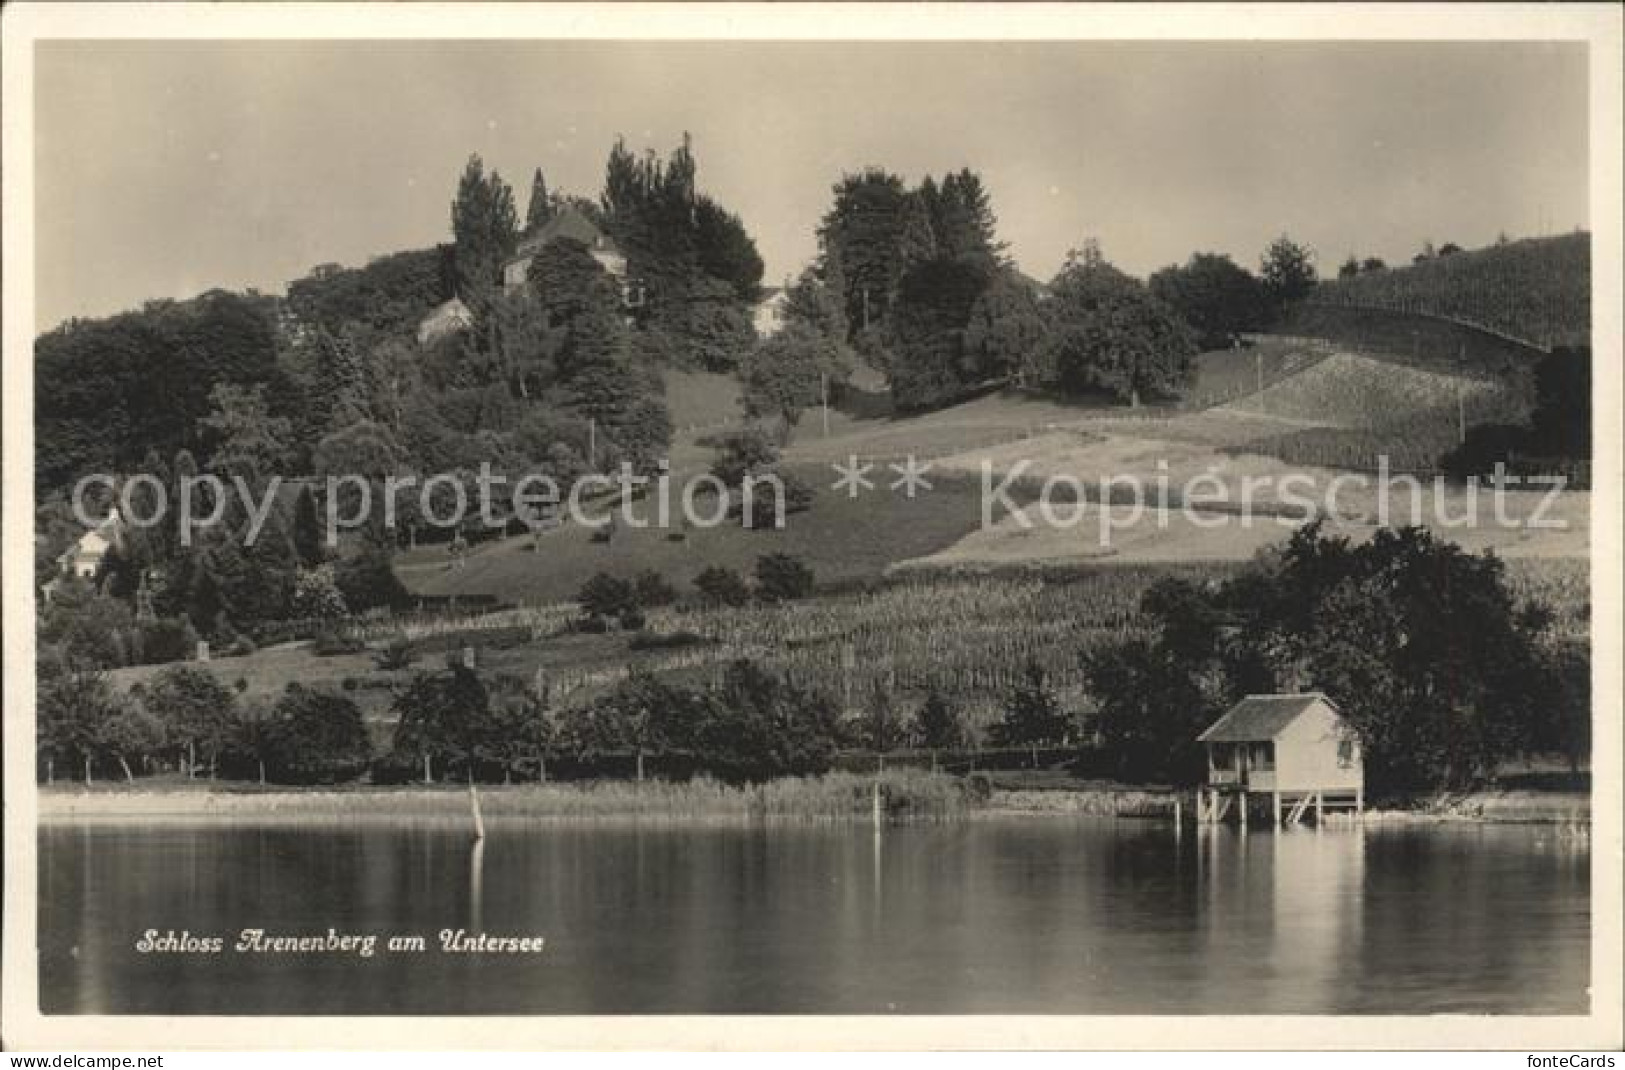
(782, 577)
(721, 587)
(395, 654)
(604, 596)
(331, 641)
(763, 513)
(651, 590)
(367, 581)
(316, 594)
(395, 768)
(168, 639)
(667, 640)
(744, 452)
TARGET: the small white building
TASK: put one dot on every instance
(768, 313)
(444, 320)
(1296, 750)
(84, 558)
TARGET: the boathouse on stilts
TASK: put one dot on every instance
(1294, 753)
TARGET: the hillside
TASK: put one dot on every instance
(1537, 291)
(843, 540)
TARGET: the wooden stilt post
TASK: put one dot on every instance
(1320, 809)
(1242, 800)
(1275, 803)
(1359, 801)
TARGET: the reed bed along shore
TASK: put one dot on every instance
(903, 795)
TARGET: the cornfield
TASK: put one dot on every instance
(968, 637)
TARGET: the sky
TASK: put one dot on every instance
(164, 169)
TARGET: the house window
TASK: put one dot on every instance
(1345, 753)
(1263, 756)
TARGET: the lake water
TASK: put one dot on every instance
(997, 915)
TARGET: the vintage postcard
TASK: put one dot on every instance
(802, 527)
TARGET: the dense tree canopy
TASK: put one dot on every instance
(108, 391)
(675, 236)
(387, 297)
(1108, 332)
(1006, 330)
(1436, 667)
(1217, 298)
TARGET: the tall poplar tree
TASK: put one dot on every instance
(540, 208)
(484, 226)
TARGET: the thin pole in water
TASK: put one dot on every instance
(474, 804)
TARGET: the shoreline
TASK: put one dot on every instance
(845, 798)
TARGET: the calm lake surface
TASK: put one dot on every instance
(996, 915)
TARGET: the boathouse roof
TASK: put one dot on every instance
(1258, 718)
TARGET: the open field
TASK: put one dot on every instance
(843, 539)
(701, 399)
(1005, 416)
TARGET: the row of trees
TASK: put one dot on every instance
(454, 723)
(186, 719)
(916, 281)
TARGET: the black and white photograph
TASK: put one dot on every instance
(823, 520)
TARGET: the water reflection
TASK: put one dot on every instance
(1008, 916)
(476, 878)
